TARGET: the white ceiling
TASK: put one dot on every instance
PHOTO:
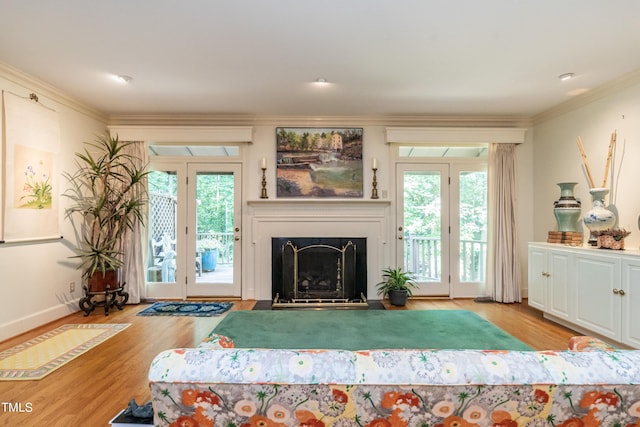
(381, 57)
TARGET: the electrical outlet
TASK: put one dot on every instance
(72, 286)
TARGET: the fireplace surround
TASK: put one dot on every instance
(319, 272)
(329, 218)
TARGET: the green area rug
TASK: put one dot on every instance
(364, 329)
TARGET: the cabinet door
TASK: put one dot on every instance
(597, 306)
(560, 285)
(629, 295)
(537, 277)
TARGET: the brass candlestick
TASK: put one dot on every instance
(263, 194)
(374, 192)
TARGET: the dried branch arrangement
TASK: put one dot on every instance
(585, 161)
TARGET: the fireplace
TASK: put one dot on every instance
(319, 272)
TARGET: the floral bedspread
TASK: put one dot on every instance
(317, 388)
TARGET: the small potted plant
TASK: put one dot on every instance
(612, 238)
(209, 249)
(397, 285)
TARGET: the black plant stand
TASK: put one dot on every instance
(112, 297)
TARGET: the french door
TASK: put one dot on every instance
(442, 227)
(214, 218)
(194, 230)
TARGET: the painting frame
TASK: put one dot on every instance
(319, 162)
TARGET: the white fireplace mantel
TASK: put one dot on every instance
(313, 203)
(313, 218)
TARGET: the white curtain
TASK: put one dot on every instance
(133, 271)
(503, 270)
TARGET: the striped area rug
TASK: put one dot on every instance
(36, 358)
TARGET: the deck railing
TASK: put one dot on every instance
(423, 256)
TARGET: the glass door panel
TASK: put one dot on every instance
(214, 217)
(423, 225)
(469, 238)
(164, 254)
(163, 201)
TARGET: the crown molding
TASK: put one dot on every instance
(43, 89)
(624, 82)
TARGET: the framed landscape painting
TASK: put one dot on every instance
(319, 162)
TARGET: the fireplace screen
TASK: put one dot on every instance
(326, 270)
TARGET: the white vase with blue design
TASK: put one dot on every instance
(598, 217)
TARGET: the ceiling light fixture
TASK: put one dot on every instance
(565, 76)
(320, 81)
(123, 78)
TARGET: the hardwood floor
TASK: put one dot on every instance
(91, 389)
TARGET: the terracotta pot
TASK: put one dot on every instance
(98, 282)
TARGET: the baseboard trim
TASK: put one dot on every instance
(35, 320)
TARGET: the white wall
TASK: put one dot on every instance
(34, 277)
(557, 159)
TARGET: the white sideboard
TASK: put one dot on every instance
(590, 290)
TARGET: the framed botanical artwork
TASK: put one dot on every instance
(319, 162)
(31, 194)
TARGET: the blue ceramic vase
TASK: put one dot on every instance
(567, 209)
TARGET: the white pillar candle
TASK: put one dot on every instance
(263, 163)
(374, 163)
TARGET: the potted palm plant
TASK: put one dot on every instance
(397, 285)
(107, 198)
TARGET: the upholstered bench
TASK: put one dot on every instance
(216, 384)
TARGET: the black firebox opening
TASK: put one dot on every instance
(313, 269)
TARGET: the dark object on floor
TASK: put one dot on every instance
(134, 415)
(144, 411)
(262, 305)
(483, 299)
(266, 305)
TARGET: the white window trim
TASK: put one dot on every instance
(184, 134)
